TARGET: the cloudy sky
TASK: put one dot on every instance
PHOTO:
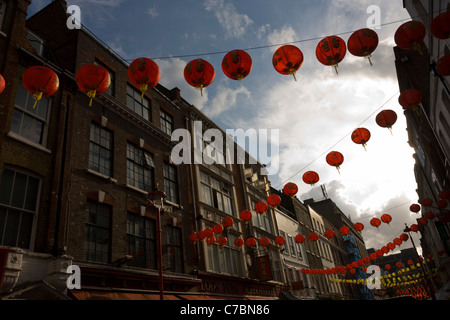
(314, 115)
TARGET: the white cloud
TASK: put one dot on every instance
(230, 19)
(284, 35)
(225, 100)
(152, 12)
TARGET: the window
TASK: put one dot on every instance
(2, 12)
(291, 245)
(38, 44)
(101, 150)
(18, 207)
(215, 193)
(138, 104)
(299, 250)
(140, 168)
(112, 88)
(262, 221)
(141, 240)
(226, 259)
(283, 234)
(275, 264)
(171, 183)
(97, 237)
(175, 249)
(28, 122)
(166, 122)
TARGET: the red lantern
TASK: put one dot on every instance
(237, 64)
(344, 230)
(361, 136)
(373, 256)
(410, 35)
(2, 83)
(422, 221)
(273, 200)
(387, 267)
(238, 242)
(218, 228)
(199, 73)
(384, 249)
(358, 226)
(202, 234)
(93, 80)
(290, 189)
(227, 222)
(251, 242)
(310, 177)
(442, 204)
(366, 259)
(386, 218)
(444, 194)
(194, 237)
(260, 207)
(390, 246)
(211, 240)
(222, 241)
(299, 238)
(427, 202)
(386, 119)
(414, 208)
(280, 240)
(245, 216)
(440, 26)
(410, 262)
(399, 264)
(335, 159)
(330, 51)
(144, 73)
(410, 98)
(362, 43)
(375, 222)
(443, 66)
(264, 241)
(414, 227)
(379, 253)
(329, 234)
(287, 60)
(313, 236)
(397, 241)
(208, 232)
(429, 215)
(404, 237)
(40, 81)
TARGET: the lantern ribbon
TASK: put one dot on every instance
(416, 46)
(91, 95)
(36, 96)
(293, 73)
(143, 88)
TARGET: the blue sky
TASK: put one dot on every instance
(312, 114)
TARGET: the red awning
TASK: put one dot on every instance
(117, 295)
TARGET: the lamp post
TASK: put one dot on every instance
(429, 283)
(156, 199)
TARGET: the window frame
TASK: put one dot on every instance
(95, 226)
(137, 98)
(166, 122)
(146, 166)
(171, 183)
(212, 185)
(101, 147)
(175, 260)
(150, 251)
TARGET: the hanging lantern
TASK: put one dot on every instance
(313, 236)
(264, 241)
(379, 253)
(335, 159)
(40, 81)
(397, 241)
(144, 73)
(373, 256)
(440, 26)
(260, 207)
(390, 246)
(280, 240)
(211, 240)
(290, 189)
(384, 249)
(358, 226)
(273, 200)
(199, 73)
(299, 238)
(443, 66)
(422, 221)
(387, 267)
(208, 232)
(399, 264)
(429, 215)
(404, 237)
(366, 259)
(237, 64)
(238, 242)
(330, 51)
(245, 216)
(375, 222)
(414, 227)
(310, 177)
(344, 230)
(386, 218)
(93, 80)
(444, 194)
(414, 208)
(427, 202)
(2, 83)
(361, 136)
(202, 234)
(410, 35)
(386, 119)
(194, 237)
(251, 242)
(362, 43)
(410, 262)
(287, 60)
(442, 203)
(227, 222)
(221, 241)
(217, 228)
(410, 99)
(329, 234)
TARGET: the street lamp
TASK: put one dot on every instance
(156, 200)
